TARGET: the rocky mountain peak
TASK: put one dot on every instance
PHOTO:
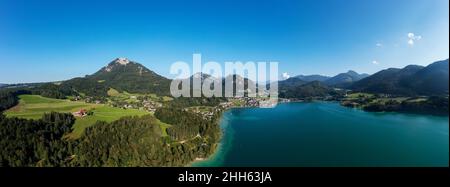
(121, 61)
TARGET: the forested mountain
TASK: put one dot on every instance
(345, 79)
(433, 79)
(410, 80)
(180, 102)
(241, 85)
(340, 80)
(310, 78)
(305, 90)
(122, 75)
(235, 80)
(291, 82)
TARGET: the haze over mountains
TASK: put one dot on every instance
(317, 85)
(410, 80)
(340, 80)
(309, 78)
(345, 79)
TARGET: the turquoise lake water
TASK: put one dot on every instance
(327, 134)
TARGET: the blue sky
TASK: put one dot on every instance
(57, 40)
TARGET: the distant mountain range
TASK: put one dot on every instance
(343, 80)
(3, 85)
(410, 80)
(340, 80)
(237, 81)
(310, 78)
(125, 75)
(295, 88)
(316, 85)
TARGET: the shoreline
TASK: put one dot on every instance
(198, 160)
(219, 144)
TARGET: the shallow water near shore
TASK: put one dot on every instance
(327, 134)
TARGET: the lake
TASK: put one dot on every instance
(322, 134)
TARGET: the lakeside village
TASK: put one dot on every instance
(347, 98)
(151, 103)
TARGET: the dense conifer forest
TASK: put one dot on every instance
(130, 141)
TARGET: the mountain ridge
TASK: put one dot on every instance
(130, 76)
(410, 80)
(310, 78)
(343, 80)
(123, 75)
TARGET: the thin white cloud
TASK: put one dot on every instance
(379, 45)
(412, 38)
(285, 75)
(375, 62)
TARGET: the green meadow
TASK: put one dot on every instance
(34, 106)
(131, 97)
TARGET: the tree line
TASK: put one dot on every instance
(9, 97)
(129, 141)
(35, 142)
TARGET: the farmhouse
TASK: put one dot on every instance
(80, 113)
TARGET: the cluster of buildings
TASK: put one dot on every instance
(251, 102)
(151, 106)
(147, 105)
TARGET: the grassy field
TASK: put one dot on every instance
(132, 97)
(384, 100)
(113, 92)
(163, 127)
(103, 113)
(34, 106)
(358, 95)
